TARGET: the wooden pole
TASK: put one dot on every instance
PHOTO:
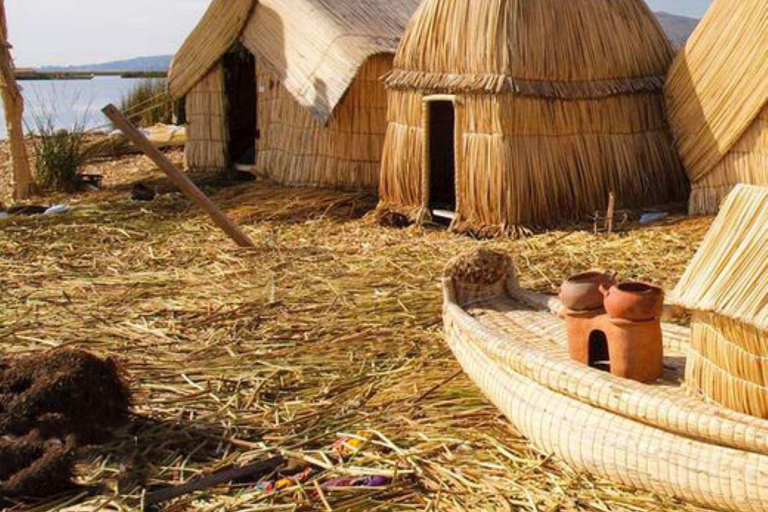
(177, 177)
(13, 103)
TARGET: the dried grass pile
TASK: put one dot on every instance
(51, 404)
(329, 328)
(479, 266)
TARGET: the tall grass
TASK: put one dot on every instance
(148, 103)
(59, 153)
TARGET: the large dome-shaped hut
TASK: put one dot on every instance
(529, 112)
(717, 101)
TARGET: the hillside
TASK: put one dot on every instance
(156, 63)
(678, 28)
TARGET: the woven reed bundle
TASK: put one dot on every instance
(727, 285)
(716, 89)
(522, 159)
(649, 437)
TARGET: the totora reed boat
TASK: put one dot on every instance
(513, 345)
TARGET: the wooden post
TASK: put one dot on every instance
(13, 103)
(177, 177)
(609, 217)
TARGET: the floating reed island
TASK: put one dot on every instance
(717, 102)
(656, 435)
(301, 105)
(528, 114)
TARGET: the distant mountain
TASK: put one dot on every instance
(157, 63)
(678, 28)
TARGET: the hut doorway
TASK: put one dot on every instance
(242, 102)
(441, 115)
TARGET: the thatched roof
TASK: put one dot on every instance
(317, 46)
(718, 85)
(729, 274)
(553, 48)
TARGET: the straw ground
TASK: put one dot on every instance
(330, 326)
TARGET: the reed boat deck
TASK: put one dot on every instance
(514, 317)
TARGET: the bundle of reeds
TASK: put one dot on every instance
(716, 91)
(727, 285)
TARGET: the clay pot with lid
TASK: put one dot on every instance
(634, 301)
(582, 292)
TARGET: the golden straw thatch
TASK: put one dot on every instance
(556, 105)
(726, 286)
(717, 100)
(321, 108)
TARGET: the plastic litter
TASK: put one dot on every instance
(649, 218)
(57, 209)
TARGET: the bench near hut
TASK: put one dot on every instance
(529, 114)
(290, 90)
(717, 98)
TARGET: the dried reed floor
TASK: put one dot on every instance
(331, 325)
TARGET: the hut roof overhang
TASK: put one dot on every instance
(547, 48)
(316, 46)
(729, 274)
(718, 84)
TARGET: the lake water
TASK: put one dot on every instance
(70, 102)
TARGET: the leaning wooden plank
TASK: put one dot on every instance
(177, 177)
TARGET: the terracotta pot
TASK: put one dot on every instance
(637, 302)
(582, 292)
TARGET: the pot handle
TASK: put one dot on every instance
(605, 290)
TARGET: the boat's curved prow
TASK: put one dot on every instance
(652, 437)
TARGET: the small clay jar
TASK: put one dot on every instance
(637, 302)
(582, 292)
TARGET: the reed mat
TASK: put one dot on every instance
(329, 328)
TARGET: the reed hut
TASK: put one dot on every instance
(726, 287)
(717, 101)
(290, 88)
(529, 113)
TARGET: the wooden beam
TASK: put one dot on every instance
(13, 104)
(176, 176)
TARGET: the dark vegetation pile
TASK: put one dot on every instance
(51, 404)
(479, 266)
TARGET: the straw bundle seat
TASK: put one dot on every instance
(320, 107)
(726, 286)
(654, 437)
(717, 102)
(556, 105)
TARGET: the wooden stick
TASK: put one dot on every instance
(177, 177)
(13, 104)
(609, 218)
(228, 475)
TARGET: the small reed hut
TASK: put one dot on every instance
(290, 88)
(726, 287)
(529, 113)
(717, 101)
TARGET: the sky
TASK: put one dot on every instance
(62, 32)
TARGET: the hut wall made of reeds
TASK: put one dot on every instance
(207, 131)
(726, 286)
(296, 148)
(717, 102)
(556, 105)
(321, 108)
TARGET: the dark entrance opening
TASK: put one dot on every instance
(599, 355)
(442, 158)
(242, 101)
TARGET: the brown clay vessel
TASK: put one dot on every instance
(582, 292)
(637, 302)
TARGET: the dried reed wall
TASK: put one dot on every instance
(747, 162)
(296, 148)
(728, 363)
(535, 162)
(207, 132)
